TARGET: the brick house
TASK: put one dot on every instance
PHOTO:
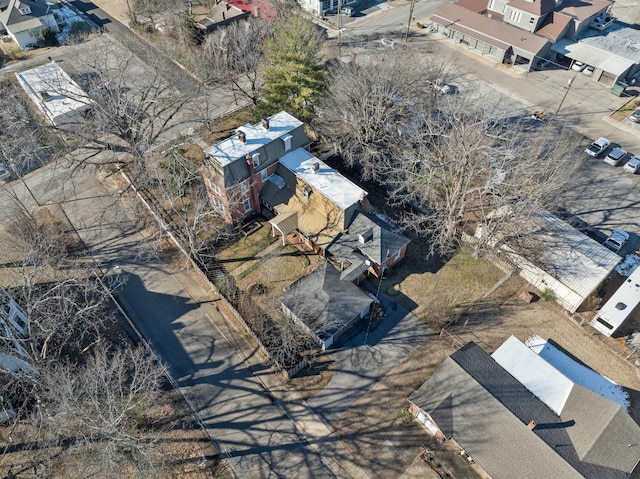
(237, 168)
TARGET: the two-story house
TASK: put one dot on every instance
(237, 168)
(266, 168)
(23, 19)
(528, 32)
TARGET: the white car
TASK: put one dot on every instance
(633, 165)
(578, 66)
(596, 148)
(616, 240)
(615, 157)
(385, 42)
(588, 71)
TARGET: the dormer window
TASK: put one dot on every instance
(287, 142)
(25, 10)
(256, 159)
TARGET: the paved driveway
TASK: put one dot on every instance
(366, 357)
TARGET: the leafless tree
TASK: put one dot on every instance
(100, 406)
(234, 55)
(446, 162)
(148, 11)
(24, 147)
(131, 108)
(65, 304)
(182, 191)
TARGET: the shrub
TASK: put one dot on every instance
(47, 37)
(548, 295)
(404, 417)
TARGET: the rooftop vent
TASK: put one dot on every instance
(531, 426)
(242, 136)
(265, 123)
(315, 167)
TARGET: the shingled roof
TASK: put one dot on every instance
(486, 410)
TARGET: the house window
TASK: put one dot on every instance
(245, 186)
(532, 20)
(263, 175)
(492, 4)
(515, 16)
(397, 258)
(219, 205)
(214, 187)
(247, 205)
(287, 142)
(256, 159)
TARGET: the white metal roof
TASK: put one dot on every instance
(620, 305)
(574, 259)
(53, 91)
(595, 55)
(231, 149)
(536, 374)
(324, 179)
(618, 40)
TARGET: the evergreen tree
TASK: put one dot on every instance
(294, 78)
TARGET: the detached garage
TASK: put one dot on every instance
(325, 306)
(566, 262)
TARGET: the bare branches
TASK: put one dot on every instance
(233, 55)
(446, 160)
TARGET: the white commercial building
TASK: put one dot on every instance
(57, 96)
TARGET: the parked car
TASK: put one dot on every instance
(588, 70)
(633, 165)
(596, 148)
(616, 156)
(349, 11)
(635, 116)
(616, 240)
(385, 42)
(578, 66)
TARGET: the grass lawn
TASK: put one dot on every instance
(275, 273)
(434, 291)
(246, 247)
(626, 110)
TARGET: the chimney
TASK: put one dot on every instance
(531, 426)
(242, 136)
(316, 167)
(265, 123)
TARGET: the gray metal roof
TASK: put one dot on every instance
(323, 302)
(380, 240)
(473, 399)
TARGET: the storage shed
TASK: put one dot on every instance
(563, 261)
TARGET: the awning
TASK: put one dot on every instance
(600, 59)
(286, 223)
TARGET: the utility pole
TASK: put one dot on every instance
(571, 80)
(339, 28)
(406, 34)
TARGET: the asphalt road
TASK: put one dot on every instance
(252, 431)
